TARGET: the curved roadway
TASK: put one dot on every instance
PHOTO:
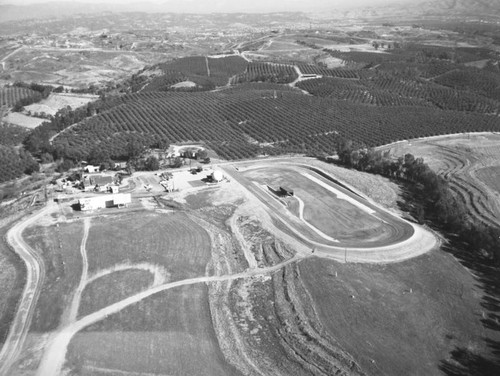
(34, 279)
(407, 239)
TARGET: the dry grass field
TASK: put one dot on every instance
(169, 333)
(112, 288)
(172, 241)
(400, 318)
(59, 246)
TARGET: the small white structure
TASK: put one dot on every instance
(217, 176)
(105, 201)
(91, 169)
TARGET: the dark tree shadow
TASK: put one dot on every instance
(461, 361)
(465, 363)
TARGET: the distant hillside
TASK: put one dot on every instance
(460, 7)
(405, 8)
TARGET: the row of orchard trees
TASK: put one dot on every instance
(431, 195)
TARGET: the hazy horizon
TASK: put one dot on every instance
(229, 5)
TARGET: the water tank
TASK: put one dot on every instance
(217, 176)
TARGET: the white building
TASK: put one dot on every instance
(91, 169)
(106, 201)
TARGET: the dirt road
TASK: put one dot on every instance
(75, 302)
(35, 273)
(55, 354)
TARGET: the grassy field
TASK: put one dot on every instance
(170, 240)
(398, 319)
(170, 333)
(112, 288)
(59, 246)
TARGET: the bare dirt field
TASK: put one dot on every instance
(23, 120)
(170, 240)
(55, 102)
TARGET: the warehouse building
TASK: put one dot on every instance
(119, 200)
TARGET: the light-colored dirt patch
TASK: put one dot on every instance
(161, 275)
(331, 62)
(367, 47)
(126, 62)
(55, 102)
(184, 84)
(23, 120)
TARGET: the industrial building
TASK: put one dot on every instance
(119, 200)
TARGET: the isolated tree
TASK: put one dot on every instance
(201, 154)
(152, 163)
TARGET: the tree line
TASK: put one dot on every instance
(430, 195)
(39, 92)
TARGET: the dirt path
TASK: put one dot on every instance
(249, 256)
(300, 77)
(208, 68)
(53, 358)
(11, 54)
(35, 273)
(75, 303)
(160, 274)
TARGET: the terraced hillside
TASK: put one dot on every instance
(470, 164)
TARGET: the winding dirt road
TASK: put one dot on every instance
(55, 354)
(75, 302)
(35, 273)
